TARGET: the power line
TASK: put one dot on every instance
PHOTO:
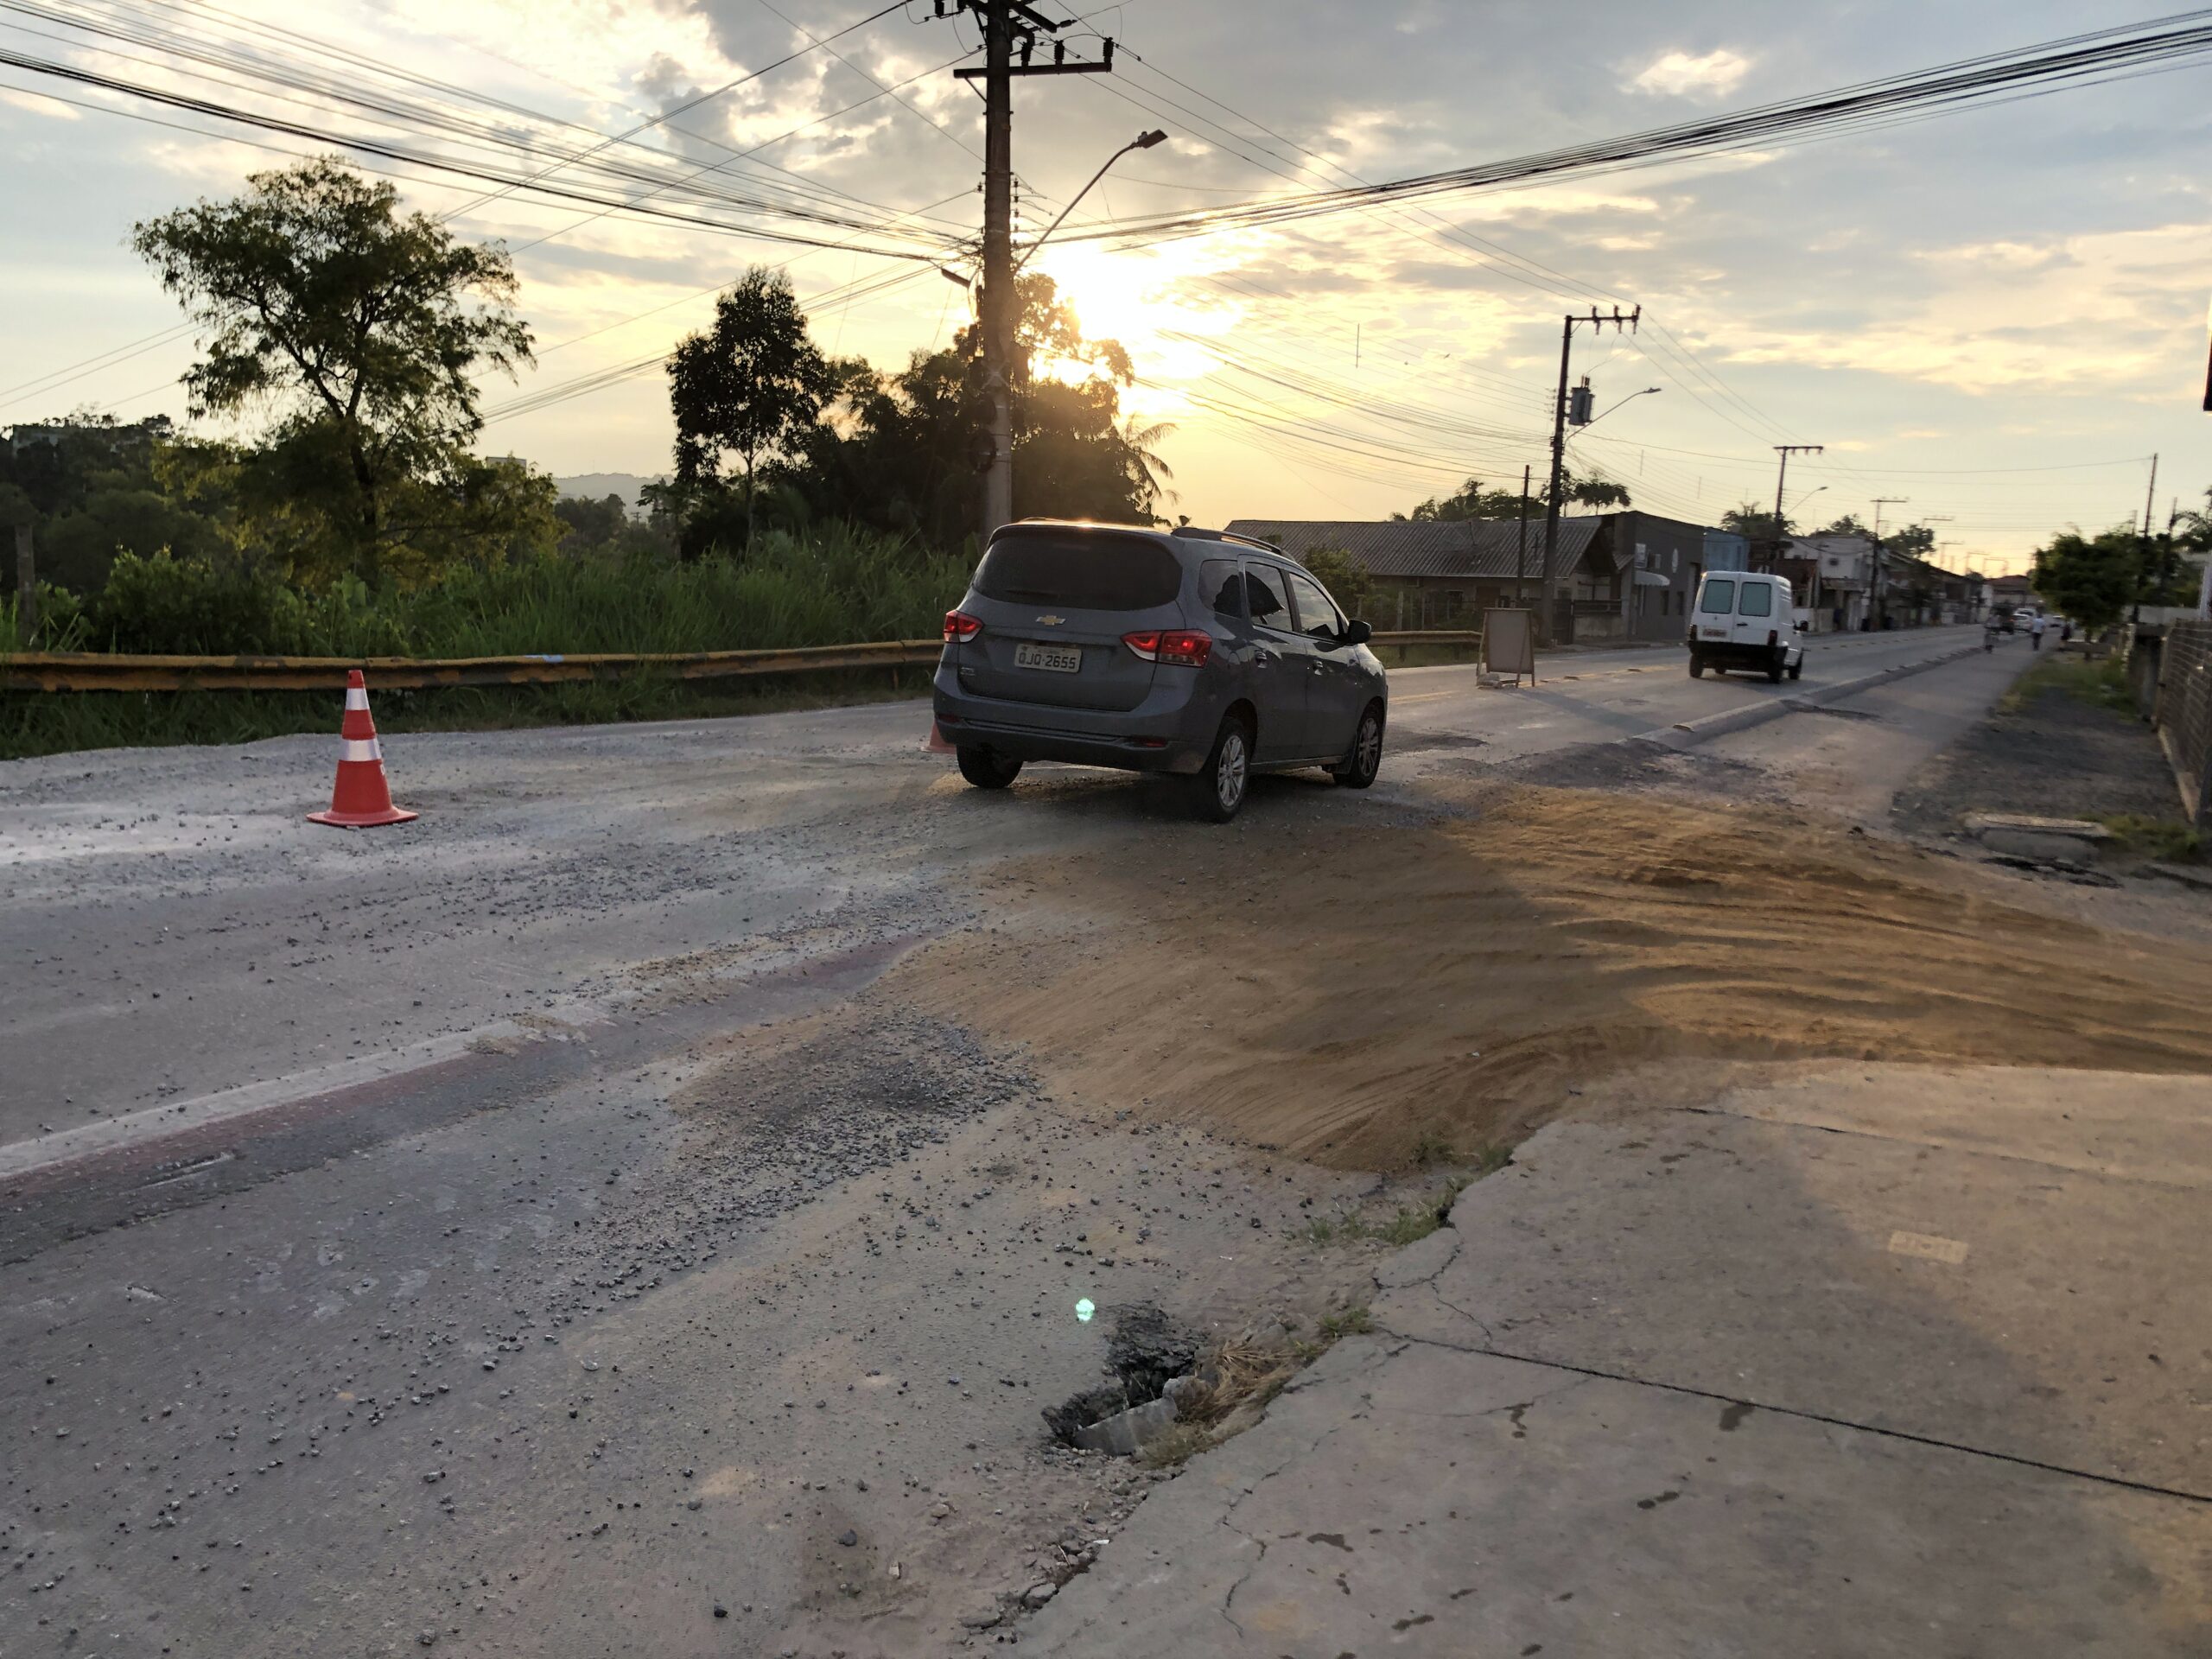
(2074, 59)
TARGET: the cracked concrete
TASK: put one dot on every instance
(1879, 1360)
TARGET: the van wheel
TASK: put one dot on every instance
(1697, 666)
(1358, 768)
(1774, 671)
(1219, 788)
(981, 768)
(1797, 669)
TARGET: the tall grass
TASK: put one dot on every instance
(834, 586)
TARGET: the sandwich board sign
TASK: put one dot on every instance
(1510, 644)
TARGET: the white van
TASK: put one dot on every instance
(1744, 619)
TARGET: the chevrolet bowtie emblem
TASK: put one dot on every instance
(1052, 621)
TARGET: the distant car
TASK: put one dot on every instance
(1742, 620)
(1186, 650)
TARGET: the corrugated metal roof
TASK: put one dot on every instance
(1482, 548)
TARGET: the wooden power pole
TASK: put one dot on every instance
(1550, 585)
(1010, 32)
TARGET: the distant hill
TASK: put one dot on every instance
(597, 487)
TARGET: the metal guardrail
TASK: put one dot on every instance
(84, 670)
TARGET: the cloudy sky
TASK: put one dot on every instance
(1998, 317)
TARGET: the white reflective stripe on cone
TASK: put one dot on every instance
(356, 698)
(357, 749)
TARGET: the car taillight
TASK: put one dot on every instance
(1773, 635)
(958, 624)
(1179, 647)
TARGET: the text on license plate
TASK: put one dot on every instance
(1060, 659)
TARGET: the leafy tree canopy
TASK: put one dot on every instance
(749, 388)
(355, 330)
(897, 451)
(1473, 500)
(1346, 579)
(2091, 579)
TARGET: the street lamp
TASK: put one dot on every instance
(1142, 140)
(1802, 501)
(1631, 398)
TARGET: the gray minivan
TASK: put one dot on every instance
(1182, 650)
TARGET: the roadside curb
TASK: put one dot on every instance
(1683, 734)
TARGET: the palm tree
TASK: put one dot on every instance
(1146, 467)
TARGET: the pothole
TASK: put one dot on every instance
(1146, 1351)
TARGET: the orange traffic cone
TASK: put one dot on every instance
(361, 797)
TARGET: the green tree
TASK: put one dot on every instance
(1345, 577)
(2091, 579)
(1471, 500)
(900, 453)
(1918, 540)
(80, 546)
(750, 387)
(1846, 525)
(1756, 524)
(358, 328)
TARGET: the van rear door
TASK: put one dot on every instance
(1054, 601)
(1755, 617)
(1714, 621)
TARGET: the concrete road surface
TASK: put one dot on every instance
(1888, 1361)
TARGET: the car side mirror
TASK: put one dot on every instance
(1803, 628)
(1357, 633)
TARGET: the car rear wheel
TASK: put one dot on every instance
(1358, 768)
(1697, 666)
(1774, 670)
(1797, 669)
(1222, 782)
(986, 769)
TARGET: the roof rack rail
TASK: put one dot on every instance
(1195, 532)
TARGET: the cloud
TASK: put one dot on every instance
(1680, 75)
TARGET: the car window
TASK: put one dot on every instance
(1263, 591)
(1759, 600)
(1719, 597)
(1082, 570)
(1318, 619)
(1223, 591)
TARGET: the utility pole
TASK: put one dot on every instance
(1880, 611)
(1559, 452)
(26, 589)
(1010, 28)
(1786, 450)
(1520, 553)
(2149, 491)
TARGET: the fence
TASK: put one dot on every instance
(69, 671)
(2184, 714)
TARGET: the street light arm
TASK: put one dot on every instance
(1631, 398)
(1142, 140)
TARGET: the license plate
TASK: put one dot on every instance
(1716, 633)
(1058, 659)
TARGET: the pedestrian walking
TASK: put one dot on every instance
(2066, 631)
(2035, 634)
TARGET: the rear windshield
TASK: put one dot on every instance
(1719, 597)
(1084, 570)
(1759, 600)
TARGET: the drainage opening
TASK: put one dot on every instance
(1146, 1352)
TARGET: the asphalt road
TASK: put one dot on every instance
(187, 934)
(335, 1168)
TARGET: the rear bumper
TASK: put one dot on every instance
(1155, 736)
(1726, 653)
